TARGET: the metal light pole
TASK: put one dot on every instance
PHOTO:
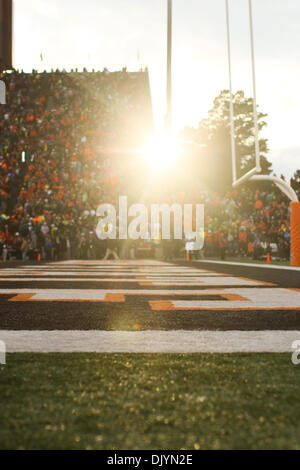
(168, 122)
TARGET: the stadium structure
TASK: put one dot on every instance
(6, 12)
(161, 347)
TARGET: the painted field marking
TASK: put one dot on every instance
(69, 279)
(113, 271)
(100, 295)
(64, 297)
(206, 281)
(123, 263)
(231, 299)
(255, 299)
(180, 341)
(163, 282)
(105, 269)
(108, 273)
(250, 265)
(109, 267)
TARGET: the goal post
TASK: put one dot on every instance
(253, 174)
(295, 233)
(257, 169)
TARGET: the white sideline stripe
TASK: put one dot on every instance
(180, 341)
(256, 265)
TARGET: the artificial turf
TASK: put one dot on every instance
(149, 401)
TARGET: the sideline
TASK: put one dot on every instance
(250, 265)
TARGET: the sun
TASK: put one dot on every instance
(162, 151)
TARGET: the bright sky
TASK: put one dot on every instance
(132, 33)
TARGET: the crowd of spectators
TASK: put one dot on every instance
(54, 171)
(250, 223)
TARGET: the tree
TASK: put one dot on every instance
(295, 181)
(214, 133)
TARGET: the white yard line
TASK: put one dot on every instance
(139, 280)
(181, 341)
(151, 280)
(203, 281)
(108, 273)
(111, 262)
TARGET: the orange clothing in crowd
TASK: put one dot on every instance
(258, 204)
(251, 247)
(243, 236)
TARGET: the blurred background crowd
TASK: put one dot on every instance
(59, 161)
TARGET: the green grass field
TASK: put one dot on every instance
(155, 401)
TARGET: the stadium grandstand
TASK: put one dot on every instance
(60, 136)
(70, 141)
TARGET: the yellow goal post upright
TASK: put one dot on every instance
(253, 174)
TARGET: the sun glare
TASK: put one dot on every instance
(162, 151)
